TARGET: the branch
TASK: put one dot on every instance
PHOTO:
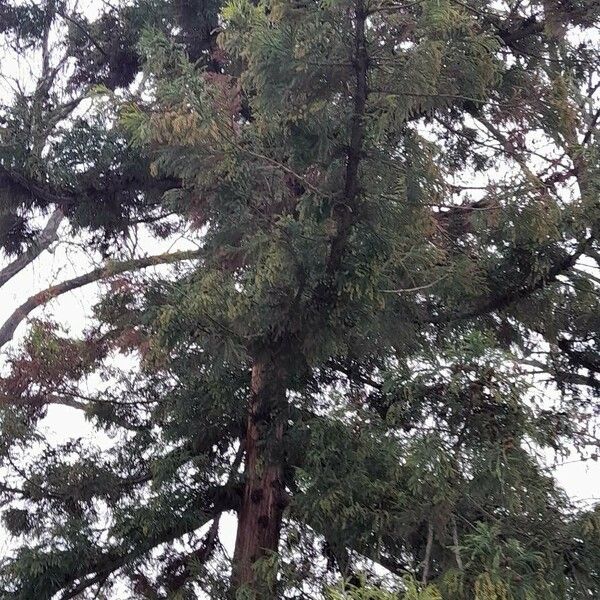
(354, 374)
(185, 565)
(393, 564)
(592, 128)
(586, 360)
(67, 197)
(456, 547)
(343, 210)
(510, 150)
(92, 570)
(64, 400)
(519, 30)
(427, 559)
(41, 243)
(39, 191)
(50, 399)
(513, 295)
(10, 325)
(417, 288)
(84, 30)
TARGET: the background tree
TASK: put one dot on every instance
(396, 208)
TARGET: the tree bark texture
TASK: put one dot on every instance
(264, 498)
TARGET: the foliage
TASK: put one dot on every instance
(392, 205)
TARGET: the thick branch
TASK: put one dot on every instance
(42, 242)
(8, 329)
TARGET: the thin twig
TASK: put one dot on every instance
(417, 288)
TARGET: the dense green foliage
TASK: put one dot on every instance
(396, 209)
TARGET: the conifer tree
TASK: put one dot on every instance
(395, 210)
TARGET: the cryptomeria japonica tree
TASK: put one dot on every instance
(395, 206)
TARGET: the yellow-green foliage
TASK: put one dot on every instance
(411, 590)
(489, 587)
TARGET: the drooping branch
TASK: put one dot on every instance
(579, 358)
(96, 567)
(178, 457)
(109, 270)
(41, 243)
(43, 193)
(512, 30)
(67, 198)
(393, 563)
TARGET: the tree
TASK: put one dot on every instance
(395, 206)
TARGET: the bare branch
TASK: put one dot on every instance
(456, 547)
(417, 288)
(41, 243)
(109, 270)
(427, 559)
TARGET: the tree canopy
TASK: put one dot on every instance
(387, 320)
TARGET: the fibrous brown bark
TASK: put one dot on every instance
(264, 498)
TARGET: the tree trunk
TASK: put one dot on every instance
(260, 516)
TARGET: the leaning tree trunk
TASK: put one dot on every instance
(260, 516)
